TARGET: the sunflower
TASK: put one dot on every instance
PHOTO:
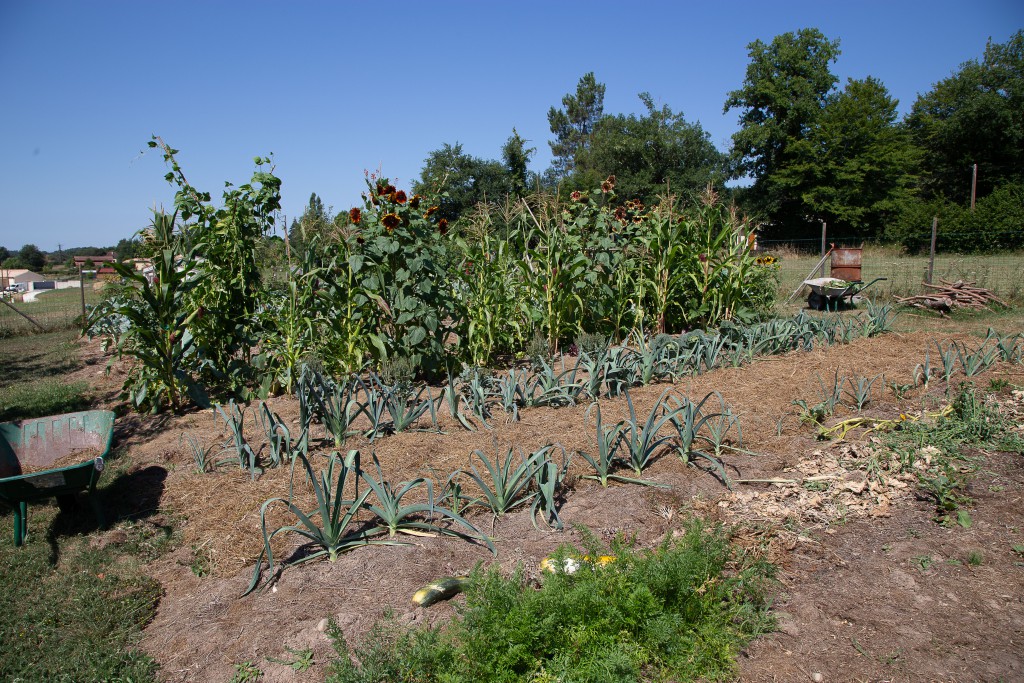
(390, 221)
(576, 195)
(355, 215)
(415, 201)
(431, 211)
(607, 187)
(399, 197)
(442, 226)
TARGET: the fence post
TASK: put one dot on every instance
(824, 227)
(81, 290)
(931, 253)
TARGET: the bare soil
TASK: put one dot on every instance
(870, 588)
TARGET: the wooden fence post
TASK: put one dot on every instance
(931, 252)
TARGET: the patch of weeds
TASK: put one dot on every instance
(934, 450)
(53, 396)
(246, 672)
(922, 562)
(302, 660)
(975, 558)
(953, 561)
(997, 384)
(682, 609)
(913, 533)
(1018, 548)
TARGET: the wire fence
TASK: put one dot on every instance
(1003, 273)
(49, 311)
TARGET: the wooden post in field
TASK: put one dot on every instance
(81, 290)
(824, 229)
(974, 185)
(931, 252)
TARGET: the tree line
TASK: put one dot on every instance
(807, 151)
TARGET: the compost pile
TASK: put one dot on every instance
(946, 296)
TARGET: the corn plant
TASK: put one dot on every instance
(161, 319)
(245, 456)
(859, 390)
(414, 519)
(336, 532)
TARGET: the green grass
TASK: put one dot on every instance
(53, 310)
(681, 611)
(32, 370)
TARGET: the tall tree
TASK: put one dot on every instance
(516, 157)
(648, 152)
(857, 162)
(32, 257)
(784, 93)
(573, 125)
(976, 116)
(315, 221)
(462, 180)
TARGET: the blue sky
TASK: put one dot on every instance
(334, 88)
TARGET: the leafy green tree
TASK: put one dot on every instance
(126, 249)
(976, 116)
(649, 152)
(462, 180)
(516, 156)
(574, 124)
(315, 221)
(32, 257)
(4, 254)
(783, 95)
(857, 162)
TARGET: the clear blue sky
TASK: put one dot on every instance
(333, 88)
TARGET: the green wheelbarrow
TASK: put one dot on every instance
(35, 446)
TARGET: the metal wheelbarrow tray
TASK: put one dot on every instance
(39, 444)
(828, 293)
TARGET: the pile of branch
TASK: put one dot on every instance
(949, 295)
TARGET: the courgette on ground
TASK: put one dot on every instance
(442, 589)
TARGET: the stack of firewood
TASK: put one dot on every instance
(949, 295)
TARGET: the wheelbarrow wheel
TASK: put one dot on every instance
(816, 301)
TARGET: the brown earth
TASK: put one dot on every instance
(857, 601)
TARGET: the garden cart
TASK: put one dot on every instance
(29, 449)
(831, 294)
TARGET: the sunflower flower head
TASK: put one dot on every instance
(431, 211)
(442, 226)
(390, 221)
(414, 202)
(355, 215)
(399, 197)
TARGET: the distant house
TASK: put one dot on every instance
(17, 276)
(109, 257)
